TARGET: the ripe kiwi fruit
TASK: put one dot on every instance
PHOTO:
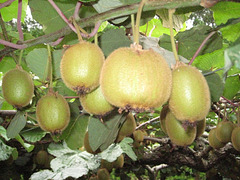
(95, 103)
(190, 97)
(107, 165)
(136, 79)
(41, 157)
(119, 162)
(103, 174)
(235, 138)
(138, 136)
(53, 112)
(17, 87)
(224, 131)
(201, 125)
(128, 126)
(80, 67)
(213, 140)
(179, 134)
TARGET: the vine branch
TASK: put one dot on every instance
(7, 3)
(19, 16)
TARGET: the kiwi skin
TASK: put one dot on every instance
(128, 126)
(17, 87)
(80, 67)
(177, 133)
(190, 97)
(42, 157)
(224, 131)
(103, 174)
(201, 125)
(213, 140)
(138, 136)
(119, 162)
(235, 138)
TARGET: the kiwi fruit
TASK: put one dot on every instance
(235, 138)
(119, 138)
(80, 67)
(135, 80)
(128, 126)
(103, 174)
(53, 112)
(138, 136)
(42, 157)
(201, 125)
(93, 177)
(213, 140)
(107, 165)
(163, 115)
(17, 87)
(190, 97)
(224, 131)
(95, 103)
(179, 134)
(87, 146)
(119, 162)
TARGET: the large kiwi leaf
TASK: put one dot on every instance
(101, 135)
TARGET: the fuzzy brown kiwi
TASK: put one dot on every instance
(136, 79)
(41, 157)
(119, 162)
(235, 138)
(106, 164)
(17, 87)
(213, 140)
(128, 126)
(190, 97)
(53, 112)
(224, 131)
(80, 67)
(201, 125)
(103, 174)
(179, 135)
(138, 136)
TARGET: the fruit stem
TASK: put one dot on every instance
(20, 58)
(174, 49)
(96, 39)
(133, 26)
(139, 13)
(77, 29)
(49, 64)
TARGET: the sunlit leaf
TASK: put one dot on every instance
(33, 135)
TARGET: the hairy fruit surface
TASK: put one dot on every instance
(224, 131)
(137, 80)
(53, 113)
(190, 97)
(80, 67)
(128, 126)
(235, 138)
(213, 140)
(17, 87)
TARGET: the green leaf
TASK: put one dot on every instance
(232, 57)
(188, 42)
(232, 86)
(62, 89)
(102, 135)
(11, 11)
(216, 86)
(59, 150)
(43, 12)
(3, 133)
(43, 174)
(28, 147)
(126, 145)
(37, 62)
(223, 11)
(33, 135)
(6, 64)
(5, 150)
(111, 153)
(16, 125)
(76, 132)
(211, 60)
(113, 39)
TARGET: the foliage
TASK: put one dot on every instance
(154, 158)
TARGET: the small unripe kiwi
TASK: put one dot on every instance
(179, 135)
(128, 126)
(53, 112)
(41, 157)
(136, 79)
(138, 136)
(190, 97)
(93, 177)
(87, 146)
(17, 87)
(201, 125)
(103, 174)
(106, 164)
(80, 67)
(213, 140)
(224, 131)
(119, 162)
(95, 103)
(235, 138)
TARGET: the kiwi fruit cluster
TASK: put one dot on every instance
(223, 133)
(17, 87)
